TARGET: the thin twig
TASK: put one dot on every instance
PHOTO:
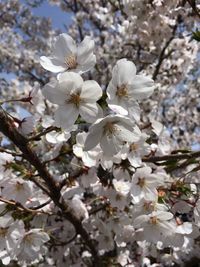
(155, 159)
(162, 55)
(14, 154)
(20, 207)
(39, 135)
(194, 8)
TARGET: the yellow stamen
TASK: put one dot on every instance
(71, 62)
(75, 99)
(19, 186)
(153, 220)
(134, 147)
(110, 128)
(141, 182)
(3, 231)
(122, 91)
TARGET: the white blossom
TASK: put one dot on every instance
(111, 132)
(144, 184)
(31, 246)
(66, 55)
(126, 87)
(155, 226)
(17, 189)
(10, 235)
(74, 97)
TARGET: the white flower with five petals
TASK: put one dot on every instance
(111, 132)
(156, 226)
(66, 55)
(74, 96)
(144, 184)
(126, 87)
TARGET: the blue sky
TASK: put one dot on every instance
(57, 16)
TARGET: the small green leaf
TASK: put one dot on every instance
(196, 35)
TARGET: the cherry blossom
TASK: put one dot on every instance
(144, 185)
(126, 87)
(102, 176)
(17, 189)
(111, 132)
(74, 97)
(155, 226)
(31, 248)
(66, 55)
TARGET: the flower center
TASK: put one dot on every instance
(28, 238)
(134, 147)
(141, 182)
(153, 220)
(147, 206)
(122, 91)
(110, 128)
(71, 62)
(19, 186)
(75, 99)
(3, 231)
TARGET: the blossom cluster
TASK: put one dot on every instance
(103, 149)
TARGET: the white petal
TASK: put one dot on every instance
(65, 116)
(71, 80)
(88, 159)
(93, 138)
(53, 94)
(136, 190)
(135, 160)
(109, 145)
(185, 228)
(125, 134)
(78, 151)
(140, 220)
(164, 215)
(123, 72)
(111, 91)
(64, 45)
(150, 194)
(142, 87)
(88, 65)
(118, 109)
(80, 138)
(143, 172)
(91, 91)
(51, 64)
(85, 49)
(89, 111)
(134, 111)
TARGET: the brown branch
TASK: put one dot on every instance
(162, 55)
(76, 9)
